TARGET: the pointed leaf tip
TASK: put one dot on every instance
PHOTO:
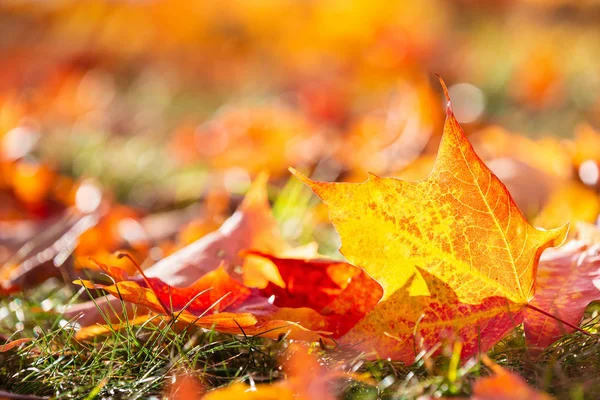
(446, 94)
(304, 179)
(293, 170)
(560, 234)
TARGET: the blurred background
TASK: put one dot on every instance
(156, 106)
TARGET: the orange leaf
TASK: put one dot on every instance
(504, 385)
(459, 224)
(338, 294)
(215, 290)
(222, 322)
(214, 293)
(12, 344)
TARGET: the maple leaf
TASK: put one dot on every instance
(213, 292)
(320, 294)
(568, 281)
(319, 299)
(504, 385)
(459, 225)
(405, 324)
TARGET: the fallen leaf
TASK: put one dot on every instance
(341, 295)
(336, 295)
(459, 225)
(198, 304)
(504, 385)
(216, 290)
(568, 281)
(403, 325)
(12, 344)
(185, 387)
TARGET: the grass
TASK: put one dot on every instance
(140, 362)
(133, 363)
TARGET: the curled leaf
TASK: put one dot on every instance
(335, 295)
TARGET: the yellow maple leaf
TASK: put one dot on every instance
(459, 224)
(452, 252)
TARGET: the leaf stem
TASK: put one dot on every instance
(120, 255)
(578, 329)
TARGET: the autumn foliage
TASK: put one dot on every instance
(294, 172)
(450, 256)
